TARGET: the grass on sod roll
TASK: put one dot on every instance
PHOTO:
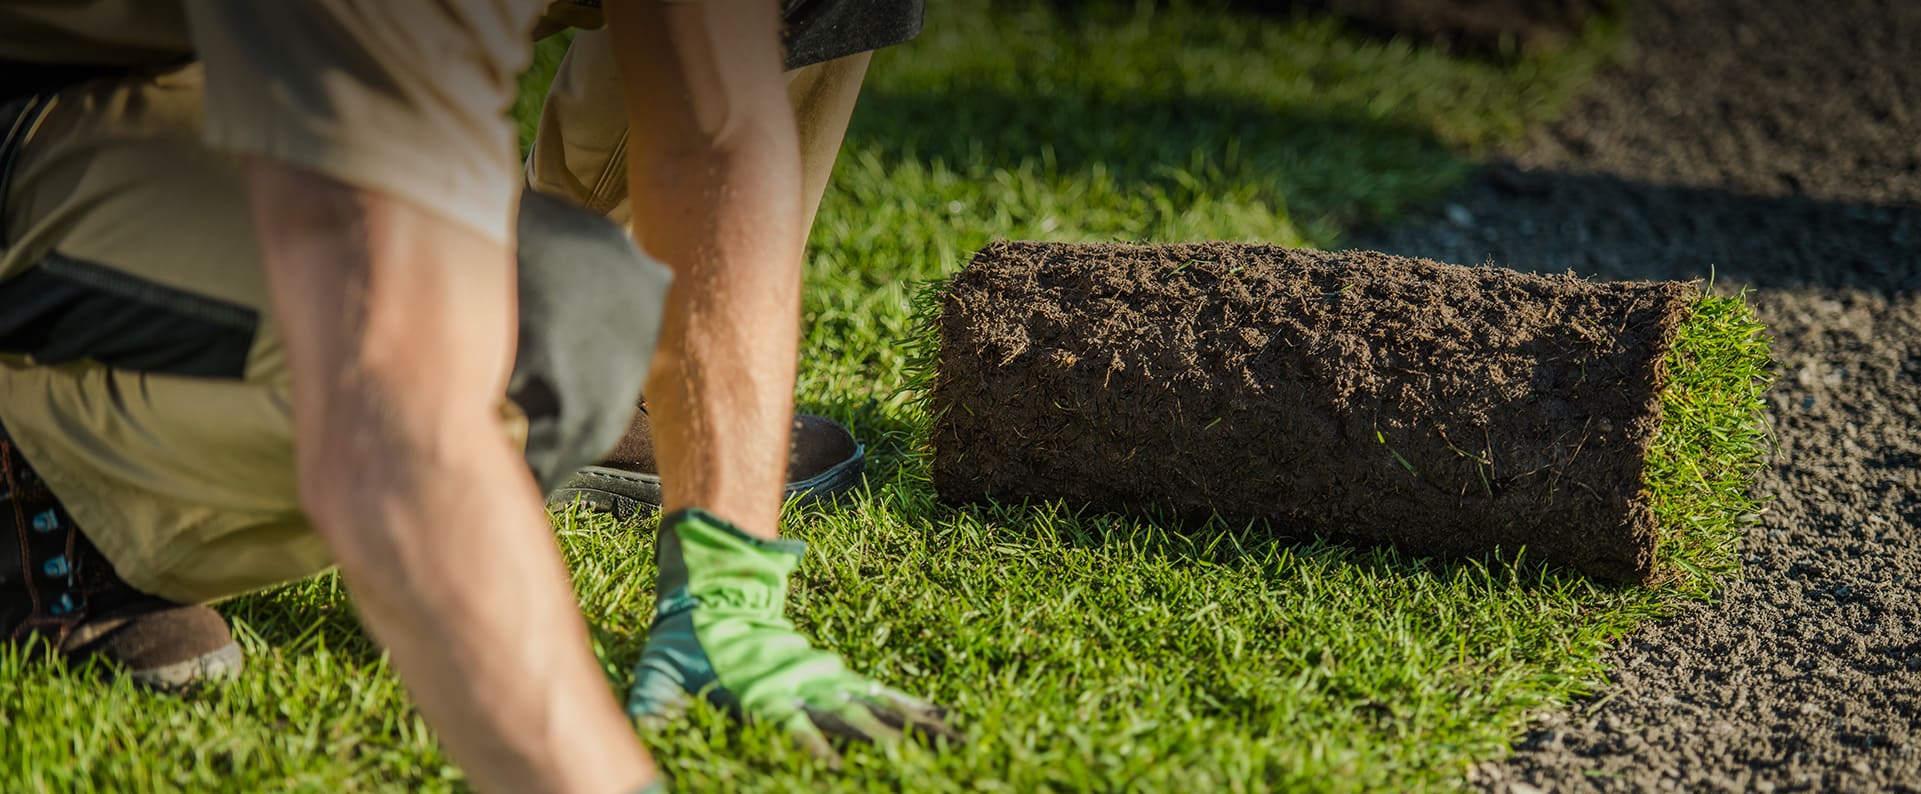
(1711, 444)
(1080, 651)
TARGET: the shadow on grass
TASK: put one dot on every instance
(1327, 167)
(287, 624)
(891, 441)
(307, 616)
(1210, 540)
(317, 615)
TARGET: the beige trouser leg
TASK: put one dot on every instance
(184, 483)
(116, 215)
(580, 151)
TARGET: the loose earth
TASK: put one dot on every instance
(1773, 145)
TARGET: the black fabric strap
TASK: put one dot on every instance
(66, 309)
(21, 79)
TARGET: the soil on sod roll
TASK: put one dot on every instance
(1448, 410)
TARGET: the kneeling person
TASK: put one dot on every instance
(251, 327)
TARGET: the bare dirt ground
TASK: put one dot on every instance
(1777, 145)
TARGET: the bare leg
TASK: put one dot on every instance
(580, 151)
(580, 154)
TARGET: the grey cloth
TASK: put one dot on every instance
(590, 311)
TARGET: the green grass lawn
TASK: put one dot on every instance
(1081, 651)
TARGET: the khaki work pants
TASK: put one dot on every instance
(143, 377)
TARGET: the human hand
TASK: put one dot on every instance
(720, 632)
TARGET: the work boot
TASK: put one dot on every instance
(824, 462)
(58, 592)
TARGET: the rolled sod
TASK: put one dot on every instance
(1605, 426)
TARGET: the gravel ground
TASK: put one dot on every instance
(1775, 145)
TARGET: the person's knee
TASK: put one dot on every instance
(590, 309)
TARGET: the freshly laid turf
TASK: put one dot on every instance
(1080, 651)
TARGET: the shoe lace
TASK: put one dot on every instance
(30, 501)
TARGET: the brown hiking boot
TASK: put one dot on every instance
(825, 461)
(57, 590)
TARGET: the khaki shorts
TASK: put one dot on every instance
(140, 371)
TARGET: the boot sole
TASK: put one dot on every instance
(625, 494)
(222, 664)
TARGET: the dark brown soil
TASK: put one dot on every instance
(1776, 144)
(1485, 27)
(1447, 410)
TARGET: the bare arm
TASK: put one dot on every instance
(714, 174)
(399, 330)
